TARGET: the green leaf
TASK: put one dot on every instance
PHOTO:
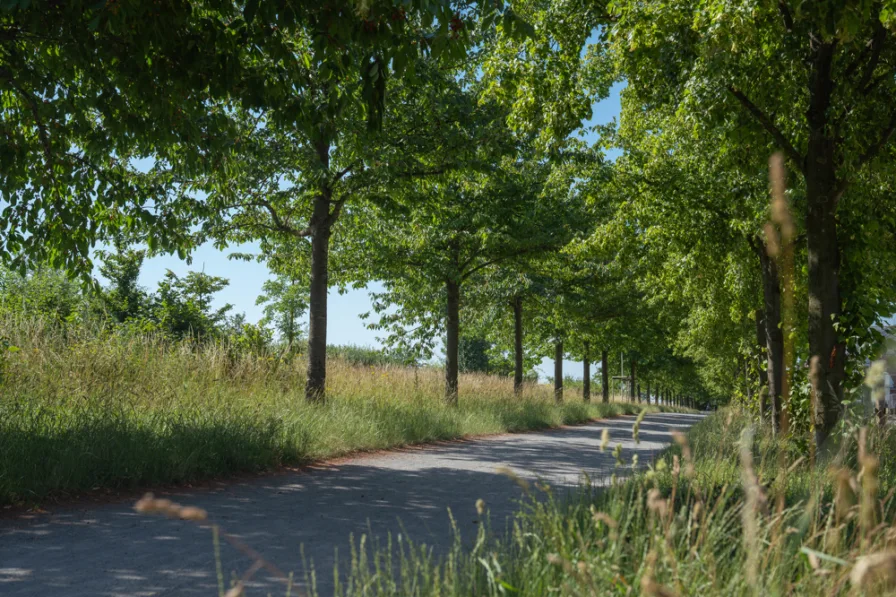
(250, 10)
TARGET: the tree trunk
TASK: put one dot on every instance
(604, 376)
(822, 194)
(586, 375)
(648, 392)
(632, 380)
(880, 410)
(639, 392)
(761, 343)
(558, 371)
(824, 308)
(452, 328)
(518, 345)
(774, 335)
(316, 384)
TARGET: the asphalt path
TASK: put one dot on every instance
(110, 550)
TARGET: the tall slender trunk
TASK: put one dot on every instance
(747, 385)
(632, 380)
(316, 384)
(558, 371)
(648, 391)
(452, 328)
(518, 345)
(605, 376)
(822, 194)
(761, 344)
(774, 335)
(639, 393)
(586, 374)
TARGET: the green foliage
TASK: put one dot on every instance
(116, 84)
(365, 356)
(182, 306)
(285, 301)
(123, 299)
(473, 355)
(45, 291)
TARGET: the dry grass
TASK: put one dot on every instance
(716, 515)
(84, 408)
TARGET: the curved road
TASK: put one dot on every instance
(111, 550)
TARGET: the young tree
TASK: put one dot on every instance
(182, 306)
(285, 301)
(123, 299)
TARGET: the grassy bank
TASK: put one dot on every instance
(730, 511)
(82, 409)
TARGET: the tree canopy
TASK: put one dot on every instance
(445, 151)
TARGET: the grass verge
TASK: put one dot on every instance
(82, 409)
(728, 511)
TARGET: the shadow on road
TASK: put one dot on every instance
(111, 550)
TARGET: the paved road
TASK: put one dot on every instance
(110, 550)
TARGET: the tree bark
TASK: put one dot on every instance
(604, 376)
(822, 194)
(648, 392)
(639, 393)
(558, 371)
(316, 384)
(761, 343)
(517, 345)
(632, 380)
(586, 375)
(452, 328)
(774, 335)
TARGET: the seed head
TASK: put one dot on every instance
(480, 506)
(875, 569)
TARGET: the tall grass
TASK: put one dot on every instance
(83, 408)
(716, 515)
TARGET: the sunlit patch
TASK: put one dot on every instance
(14, 574)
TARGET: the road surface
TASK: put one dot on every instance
(111, 550)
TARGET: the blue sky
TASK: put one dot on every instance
(344, 325)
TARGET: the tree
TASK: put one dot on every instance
(450, 231)
(123, 299)
(285, 301)
(832, 116)
(182, 307)
(302, 161)
(88, 88)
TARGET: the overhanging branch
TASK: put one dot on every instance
(769, 126)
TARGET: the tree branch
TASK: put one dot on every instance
(877, 43)
(878, 145)
(337, 210)
(35, 113)
(873, 150)
(769, 126)
(420, 173)
(786, 15)
(343, 172)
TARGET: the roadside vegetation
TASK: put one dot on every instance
(87, 408)
(728, 510)
(726, 237)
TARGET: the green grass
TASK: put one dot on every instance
(82, 409)
(696, 524)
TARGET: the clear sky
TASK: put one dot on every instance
(343, 326)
